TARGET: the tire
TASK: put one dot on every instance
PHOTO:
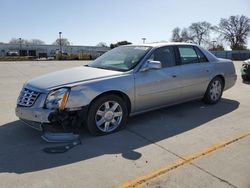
(245, 77)
(107, 114)
(214, 91)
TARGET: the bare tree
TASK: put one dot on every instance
(200, 32)
(179, 35)
(176, 35)
(17, 41)
(36, 42)
(102, 44)
(235, 30)
(25, 41)
(64, 42)
(186, 36)
(217, 43)
(14, 41)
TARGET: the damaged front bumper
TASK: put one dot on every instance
(33, 117)
(33, 114)
(245, 70)
(40, 118)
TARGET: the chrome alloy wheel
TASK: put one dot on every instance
(215, 90)
(108, 117)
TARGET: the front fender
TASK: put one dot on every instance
(82, 94)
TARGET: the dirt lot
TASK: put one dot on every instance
(188, 145)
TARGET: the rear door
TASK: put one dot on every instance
(195, 71)
(155, 88)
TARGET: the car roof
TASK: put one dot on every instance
(208, 54)
(160, 44)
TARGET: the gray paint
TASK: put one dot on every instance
(146, 90)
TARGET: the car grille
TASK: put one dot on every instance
(245, 66)
(27, 97)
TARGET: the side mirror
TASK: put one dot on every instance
(152, 65)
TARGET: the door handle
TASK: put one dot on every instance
(207, 70)
(174, 75)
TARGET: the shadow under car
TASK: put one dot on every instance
(21, 147)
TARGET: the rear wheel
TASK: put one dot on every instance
(214, 91)
(107, 114)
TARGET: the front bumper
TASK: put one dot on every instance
(245, 70)
(39, 115)
(41, 119)
(35, 125)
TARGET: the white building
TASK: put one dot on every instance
(49, 50)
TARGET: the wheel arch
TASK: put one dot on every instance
(220, 76)
(121, 94)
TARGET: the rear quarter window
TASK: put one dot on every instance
(201, 56)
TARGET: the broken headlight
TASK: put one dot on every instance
(57, 99)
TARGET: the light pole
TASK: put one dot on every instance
(20, 46)
(60, 43)
(143, 40)
(214, 41)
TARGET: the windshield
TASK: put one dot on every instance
(122, 58)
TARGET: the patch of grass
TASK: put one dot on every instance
(16, 58)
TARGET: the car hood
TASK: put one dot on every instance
(69, 77)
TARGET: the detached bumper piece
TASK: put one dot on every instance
(70, 138)
(60, 137)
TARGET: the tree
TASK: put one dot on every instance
(179, 35)
(200, 32)
(25, 41)
(36, 42)
(119, 44)
(102, 44)
(235, 30)
(17, 41)
(185, 35)
(176, 36)
(215, 46)
(64, 42)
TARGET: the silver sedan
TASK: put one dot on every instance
(124, 81)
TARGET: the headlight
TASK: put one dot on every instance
(57, 99)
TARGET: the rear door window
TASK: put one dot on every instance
(188, 55)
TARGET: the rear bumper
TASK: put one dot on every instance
(230, 81)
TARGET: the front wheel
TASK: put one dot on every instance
(214, 91)
(107, 114)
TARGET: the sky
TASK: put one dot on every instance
(88, 22)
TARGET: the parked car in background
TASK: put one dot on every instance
(12, 53)
(125, 81)
(245, 70)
